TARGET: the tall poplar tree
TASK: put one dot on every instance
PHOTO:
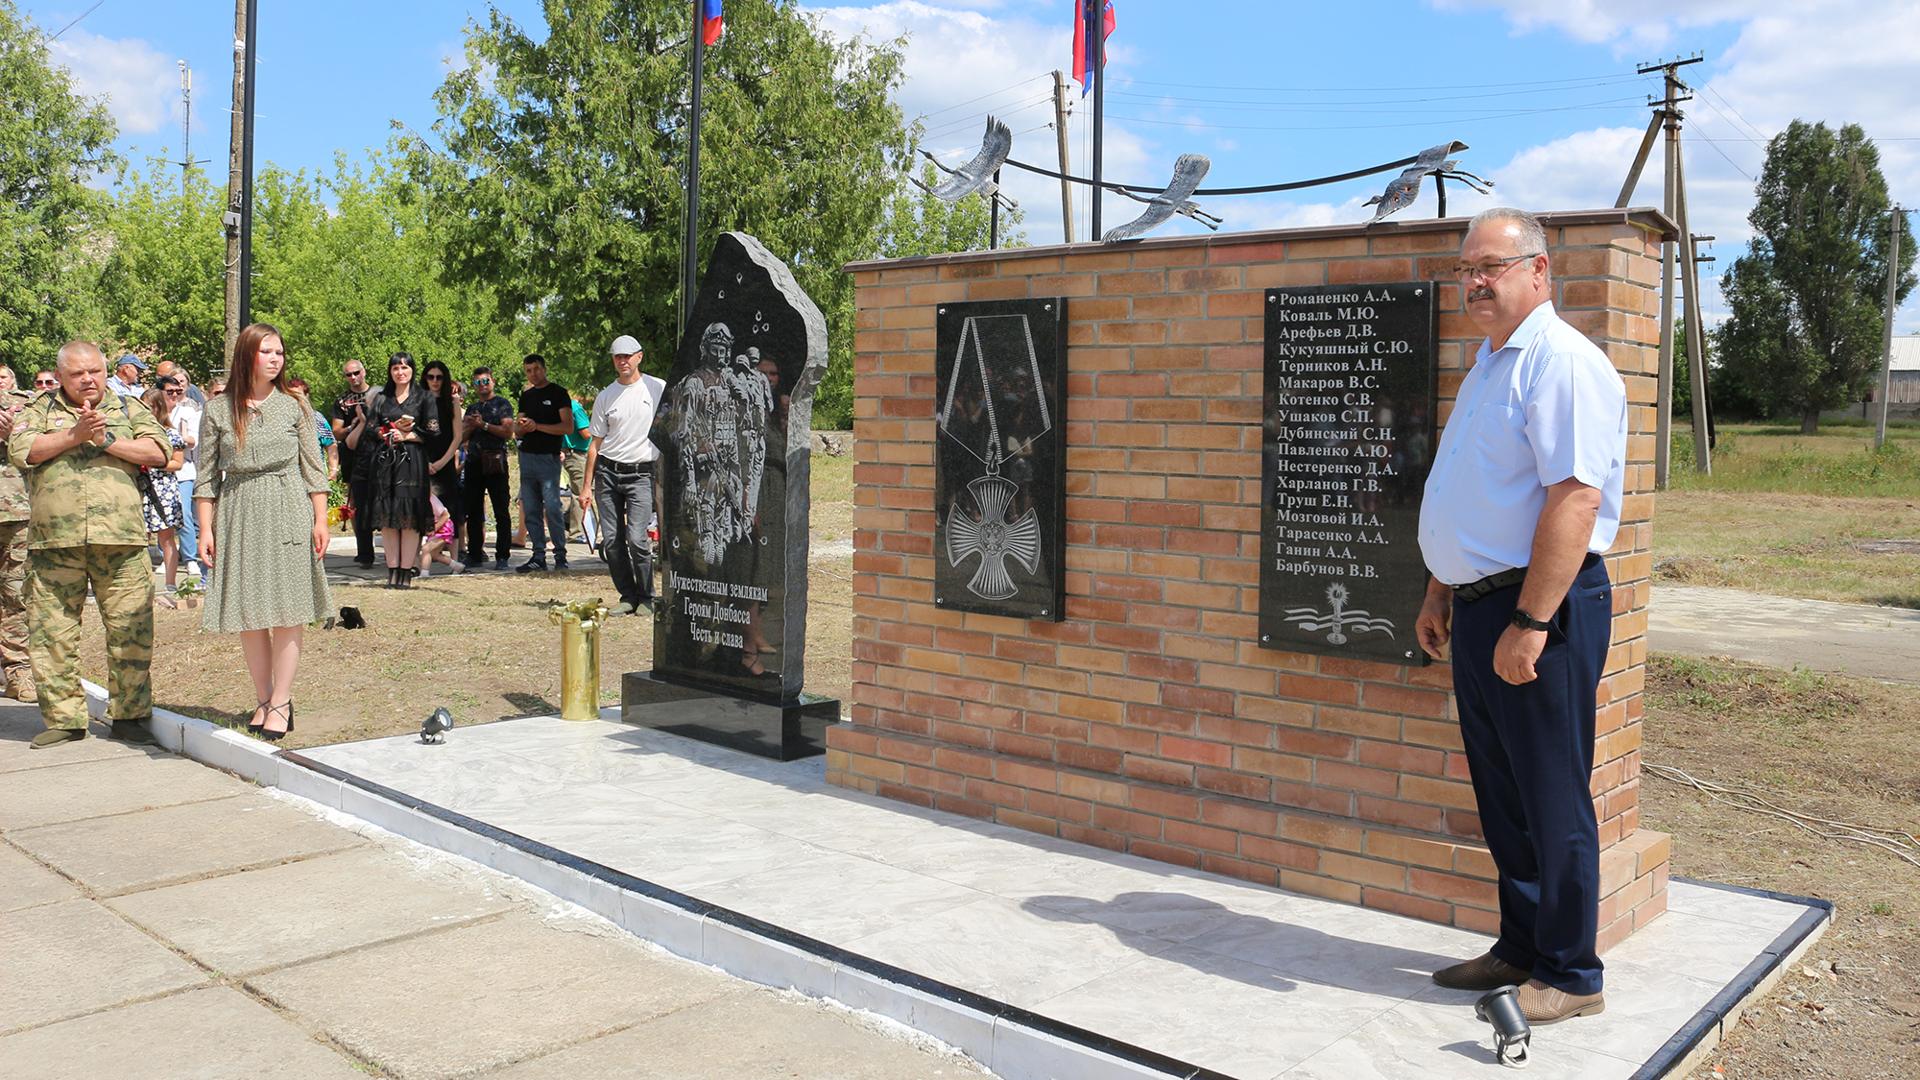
(560, 181)
(52, 142)
(1808, 299)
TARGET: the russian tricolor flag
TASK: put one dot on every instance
(1082, 63)
(712, 23)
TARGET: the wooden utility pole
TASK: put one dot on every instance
(1696, 347)
(1066, 162)
(236, 186)
(1667, 115)
(1895, 218)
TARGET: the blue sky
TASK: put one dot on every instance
(1542, 90)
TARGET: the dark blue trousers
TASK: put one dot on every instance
(1531, 751)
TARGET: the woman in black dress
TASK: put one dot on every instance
(443, 446)
(397, 422)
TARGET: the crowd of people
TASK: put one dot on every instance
(232, 485)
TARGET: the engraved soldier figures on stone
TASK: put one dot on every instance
(719, 414)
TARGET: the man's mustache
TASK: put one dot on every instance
(1481, 293)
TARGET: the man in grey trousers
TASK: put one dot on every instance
(621, 460)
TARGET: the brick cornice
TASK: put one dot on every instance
(1645, 217)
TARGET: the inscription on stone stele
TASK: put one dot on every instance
(1349, 414)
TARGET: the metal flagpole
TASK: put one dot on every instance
(245, 306)
(690, 246)
(1096, 59)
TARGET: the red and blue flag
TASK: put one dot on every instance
(1082, 63)
(712, 23)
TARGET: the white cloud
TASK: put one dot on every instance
(1626, 24)
(960, 50)
(141, 85)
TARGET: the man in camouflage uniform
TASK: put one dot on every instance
(13, 557)
(81, 455)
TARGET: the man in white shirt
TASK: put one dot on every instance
(618, 486)
(1522, 500)
(185, 422)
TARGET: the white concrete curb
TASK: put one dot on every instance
(1013, 1051)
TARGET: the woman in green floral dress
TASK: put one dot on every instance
(261, 503)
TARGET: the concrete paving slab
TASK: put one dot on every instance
(117, 785)
(454, 1003)
(179, 843)
(212, 1034)
(249, 922)
(20, 723)
(62, 960)
(750, 1035)
(24, 883)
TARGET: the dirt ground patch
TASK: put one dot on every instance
(1812, 546)
(1835, 748)
(480, 644)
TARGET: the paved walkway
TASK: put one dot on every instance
(162, 919)
(1779, 631)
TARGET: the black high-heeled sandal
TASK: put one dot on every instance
(393, 577)
(259, 712)
(275, 736)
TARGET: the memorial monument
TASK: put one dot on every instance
(999, 463)
(733, 431)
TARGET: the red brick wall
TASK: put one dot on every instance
(1150, 720)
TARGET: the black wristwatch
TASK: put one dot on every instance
(1527, 622)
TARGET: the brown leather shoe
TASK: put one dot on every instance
(20, 684)
(1542, 1004)
(1485, 972)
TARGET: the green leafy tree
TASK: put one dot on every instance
(1808, 298)
(560, 184)
(52, 142)
(159, 285)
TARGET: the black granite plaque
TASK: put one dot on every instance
(999, 464)
(1350, 403)
(733, 433)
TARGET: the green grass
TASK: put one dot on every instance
(1840, 460)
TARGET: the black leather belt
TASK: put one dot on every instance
(1474, 590)
(625, 468)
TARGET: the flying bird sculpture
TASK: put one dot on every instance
(975, 175)
(1433, 161)
(1188, 171)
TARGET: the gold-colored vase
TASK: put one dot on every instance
(580, 623)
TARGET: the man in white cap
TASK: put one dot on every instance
(619, 478)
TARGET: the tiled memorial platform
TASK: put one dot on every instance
(999, 934)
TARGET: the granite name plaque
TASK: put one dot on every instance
(999, 467)
(1349, 408)
(735, 453)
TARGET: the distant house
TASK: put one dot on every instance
(1905, 385)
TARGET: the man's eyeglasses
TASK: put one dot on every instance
(483, 381)
(176, 392)
(1490, 271)
(47, 383)
(356, 374)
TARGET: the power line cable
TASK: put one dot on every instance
(76, 21)
(1597, 106)
(1307, 105)
(1376, 89)
(945, 130)
(983, 97)
(1750, 127)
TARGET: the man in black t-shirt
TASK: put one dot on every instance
(546, 418)
(346, 412)
(489, 421)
